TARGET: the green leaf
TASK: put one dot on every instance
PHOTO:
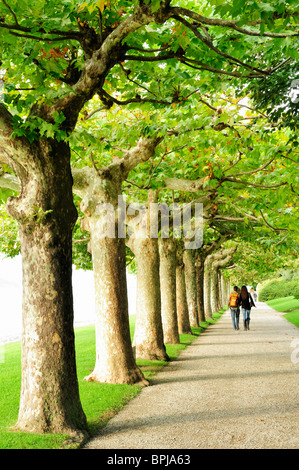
(266, 7)
(155, 5)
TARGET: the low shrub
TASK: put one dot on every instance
(296, 291)
(279, 288)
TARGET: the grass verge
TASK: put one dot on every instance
(100, 401)
(287, 305)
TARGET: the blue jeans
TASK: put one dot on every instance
(238, 317)
(246, 313)
(233, 312)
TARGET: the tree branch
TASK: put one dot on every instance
(11, 11)
(226, 23)
(144, 150)
(88, 116)
(190, 186)
(16, 27)
(154, 168)
(228, 218)
(37, 38)
(254, 185)
(132, 100)
(271, 226)
(226, 261)
(235, 163)
(281, 241)
(244, 213)
(210, 248)
(96, 67)
(127, 73)
(220, 255)
(261, 168)
(201, 66)
(209, 43)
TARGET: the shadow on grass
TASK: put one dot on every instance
(100, 401)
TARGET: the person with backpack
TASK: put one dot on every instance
(245, 300)
(233, 305)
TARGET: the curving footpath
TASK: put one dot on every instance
(227, 390)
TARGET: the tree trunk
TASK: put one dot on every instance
(214, 290)
(207, 288)
(220, 284)
(219, 260)
(190, 280)
(148, 338)
(181, 296)
(199, 264)
(46, 215)
(227, 290)
(115, 362)
(167, 251)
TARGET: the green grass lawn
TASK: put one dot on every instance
(100, 401)
(287, 305)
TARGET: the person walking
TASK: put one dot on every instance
(233, 305)
(245, 300)
(238, 312)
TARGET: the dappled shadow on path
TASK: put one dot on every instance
(243, 379)
(228, 356)
(186, 418)
(216, 376)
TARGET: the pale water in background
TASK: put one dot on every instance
(11, 299)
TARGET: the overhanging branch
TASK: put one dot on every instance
(231, 24)
(22, 29)
(254, 185)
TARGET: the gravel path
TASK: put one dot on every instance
(227, 390)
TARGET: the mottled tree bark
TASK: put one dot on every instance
(181, 296)
(105, 219)
(115, 362)
(148, 338)
(214, 289)
(199, 265)
(46, 215)
(219, 260)
(220, 283)
(167, 251)
(203, 260)
(207, 287)
(228, 289)
(190, 281)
